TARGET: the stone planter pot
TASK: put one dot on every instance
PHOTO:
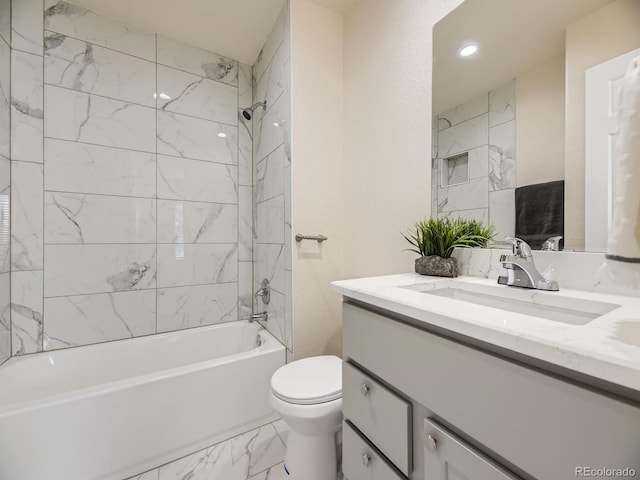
(437, 266)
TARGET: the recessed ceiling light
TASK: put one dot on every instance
(468, 50)
(222, 134)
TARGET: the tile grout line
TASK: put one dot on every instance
(155, 37)
(155, 61)
(135, 104)
(41, 333)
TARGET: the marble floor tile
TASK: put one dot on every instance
(78, 22)
(236, 459)
(277, 472)
(283, 430)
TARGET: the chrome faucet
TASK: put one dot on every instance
(521, 270)
(263, 316)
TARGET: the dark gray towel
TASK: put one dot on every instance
(540, 212)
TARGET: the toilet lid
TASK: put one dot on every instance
(309, 381)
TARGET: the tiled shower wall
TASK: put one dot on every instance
(5, 180)
(484, 128)
(272, 177)
(129, 173)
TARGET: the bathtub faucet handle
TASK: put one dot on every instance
(264, 292)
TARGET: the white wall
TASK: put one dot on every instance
(605, 34)
(387, 124)
(316, 176)
(540, 124)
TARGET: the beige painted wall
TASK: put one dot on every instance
(387, 120)
(607, 33)
(540, 124)
(316, 176)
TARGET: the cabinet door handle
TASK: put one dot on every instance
(431, 443)
(365, 389)
(366, 459)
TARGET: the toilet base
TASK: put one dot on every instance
(311, 457)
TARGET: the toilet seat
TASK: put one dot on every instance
(309, 381)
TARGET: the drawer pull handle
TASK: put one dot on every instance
(431, 443)
(366, 459)
(365, 389)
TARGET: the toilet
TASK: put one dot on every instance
(307, 394)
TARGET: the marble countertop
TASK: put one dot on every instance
(607, 348)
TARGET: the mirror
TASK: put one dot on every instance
(509, 120)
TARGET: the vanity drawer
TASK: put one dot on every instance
(360, 461)
(447, 456)
(380, 414)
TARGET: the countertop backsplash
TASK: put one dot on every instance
(574, 270)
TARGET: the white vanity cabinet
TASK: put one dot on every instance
(447, 457)
(474, 415)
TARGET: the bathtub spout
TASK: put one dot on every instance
(264, 316)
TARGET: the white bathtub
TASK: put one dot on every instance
(116, 409)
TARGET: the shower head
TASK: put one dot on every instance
(248, 112)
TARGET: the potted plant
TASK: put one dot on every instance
(435, 239)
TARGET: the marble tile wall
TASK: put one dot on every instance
(131, 177)
(272, 177)
(254, 455)
(485, 129)
(5, 180)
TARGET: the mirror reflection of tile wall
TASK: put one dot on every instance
(484, 128)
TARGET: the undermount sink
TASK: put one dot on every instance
(548, 305)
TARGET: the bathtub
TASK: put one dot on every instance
(113, 410)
